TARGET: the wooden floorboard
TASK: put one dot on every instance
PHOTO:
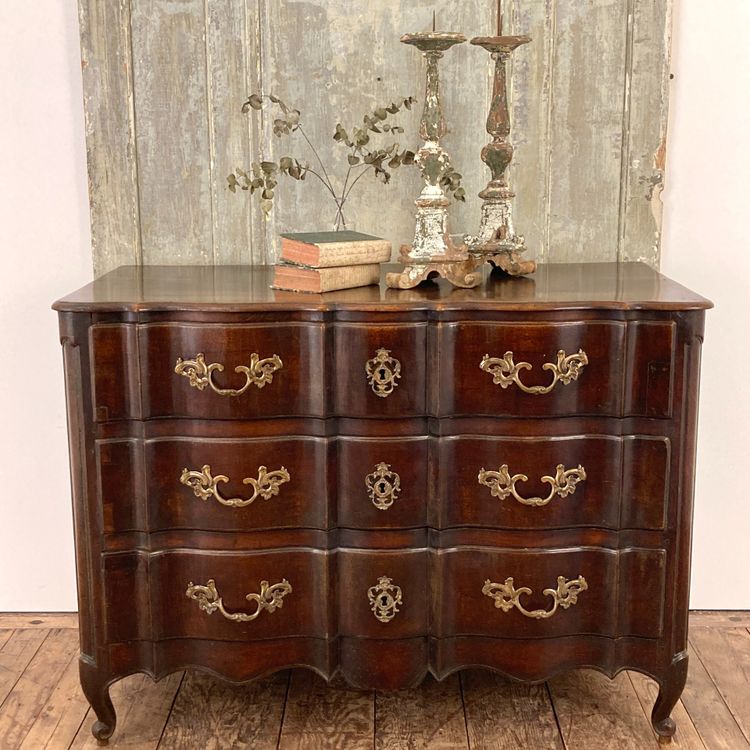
(215, 714)
(708, 711)
(26, 620)
(596, 712)
(16, 653)
(725, 654)
(318, 716)
(42, 706)
(430, 718)
(687, 737)
(725, 619)
(29, 695)
(505, 715)
(143, 707)
(62, 715)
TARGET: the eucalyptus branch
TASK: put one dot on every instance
(263, 176)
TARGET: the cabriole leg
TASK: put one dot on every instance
(95, 684)
(670, 689)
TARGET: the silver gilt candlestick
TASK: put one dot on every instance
(497, 241)
(433, 253)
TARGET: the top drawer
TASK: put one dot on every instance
(578, 368)
(232, 371)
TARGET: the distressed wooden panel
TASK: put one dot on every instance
(233, 69)
(164, 82)
(110, 132)
(586, 129)
(647, 98)
(531, 101)
(169, 64)
(333, 59)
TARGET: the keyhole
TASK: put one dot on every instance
(382, 488)
(383, 600)
(382, 373)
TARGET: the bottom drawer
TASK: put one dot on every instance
(384, 594)
(253, 595)
(556, 592)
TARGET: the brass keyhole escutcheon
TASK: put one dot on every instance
(383, 373)
(385, 599)
(383, 486)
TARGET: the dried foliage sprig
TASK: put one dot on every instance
(362, 156)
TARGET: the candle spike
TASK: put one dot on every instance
(434, 21)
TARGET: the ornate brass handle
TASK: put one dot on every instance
(507, 596)
(505, 371)
(384, 599)
(204, 485)
(269, 598)
(201, 375)
(502, 484)
(383, 486)
(383, 372)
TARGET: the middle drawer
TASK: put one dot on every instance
(304, 482)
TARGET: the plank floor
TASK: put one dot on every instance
(42, 707)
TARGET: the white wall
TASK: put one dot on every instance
(44, 243)
(44, 253)
(707, 247)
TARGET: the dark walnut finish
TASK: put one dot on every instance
(507, 483)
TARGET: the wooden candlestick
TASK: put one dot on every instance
(433, 253)
(497, 241)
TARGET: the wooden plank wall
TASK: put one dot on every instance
(164, 81)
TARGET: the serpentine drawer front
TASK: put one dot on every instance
(380, 484)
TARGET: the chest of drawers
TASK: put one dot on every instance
(380, 483)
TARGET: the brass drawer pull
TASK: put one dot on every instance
(506, 596)
(270, 598)
(201, 375)
(506, 372)
(383, 486)
(383, 372)
(204, 485)
(385, 599)
(502, 484)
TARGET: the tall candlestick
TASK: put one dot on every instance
(497, 241)
(433, 253)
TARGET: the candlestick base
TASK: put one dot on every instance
(463, 273)
(510, 262)
(497, 242)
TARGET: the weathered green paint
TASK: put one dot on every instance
(164, 81)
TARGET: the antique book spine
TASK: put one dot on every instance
(330, 254)
(319, 280)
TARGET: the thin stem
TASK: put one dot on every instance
(338, 201)
(317, 156)
(359, 177)
(346, 182)
(328, 187)
(339, 220)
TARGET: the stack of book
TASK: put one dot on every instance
(326, 261)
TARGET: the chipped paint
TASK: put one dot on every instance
(163, 81)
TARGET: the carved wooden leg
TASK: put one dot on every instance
(95, 684)
(670, 689)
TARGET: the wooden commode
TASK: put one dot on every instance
(382, 483)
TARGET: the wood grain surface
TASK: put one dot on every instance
(164, 81)
(42, 707)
